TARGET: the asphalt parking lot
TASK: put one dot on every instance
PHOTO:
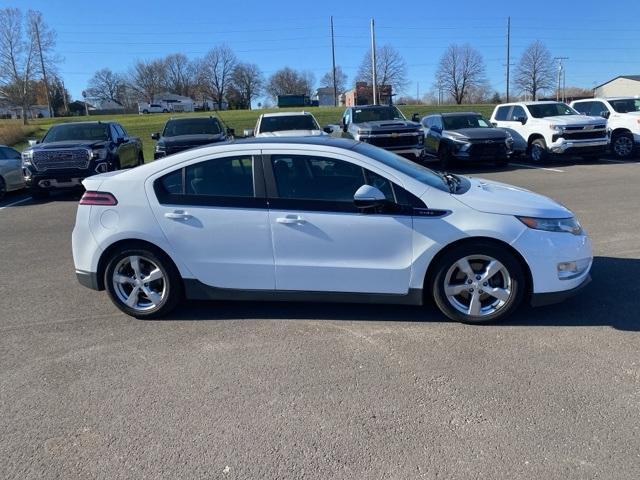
(275, 390)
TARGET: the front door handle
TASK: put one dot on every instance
(177, 215)
(290, 219)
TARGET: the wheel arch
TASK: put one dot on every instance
(427, 285)
(619, 130)
(127, 243)
(535, 136)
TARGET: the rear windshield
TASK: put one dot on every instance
(625, 106)
(543, 110)
(377, 114)
(90, 131)
(457, 122)
(293, 122)
(195, 126)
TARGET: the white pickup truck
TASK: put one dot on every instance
(545, 128)
(623, 121)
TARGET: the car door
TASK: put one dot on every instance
(507, 117)
(127, 151)
(214, 214)
(11, 168)
(427, 123)
(322, 242)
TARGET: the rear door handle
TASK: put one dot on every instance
(177, 215)
(290, 219)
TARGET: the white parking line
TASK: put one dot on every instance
(17, 202)
(557, 170)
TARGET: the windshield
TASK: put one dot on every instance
(291, 122)
(80, 131)
(543, 110)
(193, 126)
(626, 105)
(376, 114)
(414, 170)
(456, 122)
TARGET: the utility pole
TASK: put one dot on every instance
(44, 72)
(373, 63)
(508, 53)
(418, 92)
(560, 69)
(333, 59)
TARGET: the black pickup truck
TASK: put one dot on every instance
(70, 152)
(383, 126)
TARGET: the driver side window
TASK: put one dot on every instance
(516, 113)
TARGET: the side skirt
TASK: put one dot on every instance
(196, 290)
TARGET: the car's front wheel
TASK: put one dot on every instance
(478, 283)
(622, 145)
(538, 152)
(143, 282)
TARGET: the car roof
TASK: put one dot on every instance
(285, 114)
(458, 114)
(629, 97)
(364, 107)
(324, 140)
(96, 122)
(182, 119)
(541, 102)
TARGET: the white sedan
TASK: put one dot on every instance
(322, 219)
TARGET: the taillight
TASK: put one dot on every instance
(98, 198)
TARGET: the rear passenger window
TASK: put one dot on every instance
(517, 113)
(502, 113)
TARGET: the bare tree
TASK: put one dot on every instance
(214, 73)
(341, 80)
(180, 74)
(461, 69)
(19, 61)
(535, 72)
(248, 81)
(391, 69)
(147, 78)
(106, 85)
(288, 81)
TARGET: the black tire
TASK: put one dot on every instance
(145, 112)
(538, 151)
(3, 188)
(164, 110)
(444, 155)
(38, 193)
(515, 286)
(622, 145)
(172, 286)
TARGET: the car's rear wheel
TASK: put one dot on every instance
(143, 282)
(538, 152)
(478, 283)
(622, 145)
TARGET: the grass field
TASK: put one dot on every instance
(144, 125)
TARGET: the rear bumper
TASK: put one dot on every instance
(88, 279)
(550, 298)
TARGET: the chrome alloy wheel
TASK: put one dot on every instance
(478, 285)
(537, 153)
(139, 283)
(623, 146)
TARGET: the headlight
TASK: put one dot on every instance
(98, 154)
(27, 157)
(556, 128)
(568, 225)
(363, 132)
(160, 148)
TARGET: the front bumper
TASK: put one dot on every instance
(564, 146)
(551, 298)
(53, 181)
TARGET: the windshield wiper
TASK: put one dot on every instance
(451, 180)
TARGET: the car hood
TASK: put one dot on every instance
(390, 125)
(292, 133)
(191, 140)
(68, 144)
(478, 133)
(495, 197)
(575, 120)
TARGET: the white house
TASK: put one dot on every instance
(176, 103)
(34, 111)
(324, 96)
(110, 105)
(621, 86)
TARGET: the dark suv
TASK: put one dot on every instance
(184, 133)
(70, 152)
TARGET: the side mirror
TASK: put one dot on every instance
(231, 132)
(155, 136)
(249, 132)
(605, 113)
(522, 120)
(415, 118)
(344, 125)
(33, 141)
(120, 140)
(495, 124)
(327, 129)
(436, 129)
(368, 196)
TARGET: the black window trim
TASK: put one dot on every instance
(259, 200)
(296, 204)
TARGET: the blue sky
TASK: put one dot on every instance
(601, 39)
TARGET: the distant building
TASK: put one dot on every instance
(34, 111)
(621, 86)
(324, 96)
(362, 94)
(110, 105)
(293, 101)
